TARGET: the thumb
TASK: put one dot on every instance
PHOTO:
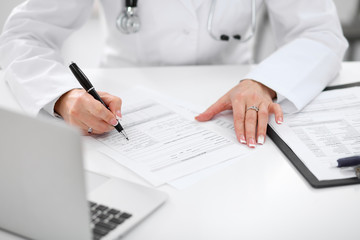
(217, 107)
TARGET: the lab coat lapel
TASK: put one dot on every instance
(189, 5)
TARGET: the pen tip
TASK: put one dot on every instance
(124, 134)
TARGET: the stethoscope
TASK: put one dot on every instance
(128, 21)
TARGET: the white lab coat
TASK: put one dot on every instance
(174, 32)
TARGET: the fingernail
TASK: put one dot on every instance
(280, 120)
(114, 122)
(261, 140)
(118, 113)
(198, 116)
(242, 139)
(252, 143)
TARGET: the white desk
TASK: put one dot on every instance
(259, 197)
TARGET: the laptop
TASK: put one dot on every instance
(43, 186)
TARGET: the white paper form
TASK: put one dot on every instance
(324, 131)
(166, 143)
(224, 124)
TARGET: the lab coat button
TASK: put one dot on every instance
(186, 31)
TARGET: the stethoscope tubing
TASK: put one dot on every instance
(130, 14)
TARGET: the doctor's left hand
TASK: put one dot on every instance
(252, 103)
(80, 109)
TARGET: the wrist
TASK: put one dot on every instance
(61, 104)
(264, 88)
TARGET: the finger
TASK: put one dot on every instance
(250, 127)
(100, 116)
(84, 128)
(98, 125)
(239, 121)
(221, 105)
(85, 119)
(113, 102)
(263, 118)
(275, 108)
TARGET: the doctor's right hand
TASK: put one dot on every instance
(80, 109)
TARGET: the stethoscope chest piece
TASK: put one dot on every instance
(128, 21)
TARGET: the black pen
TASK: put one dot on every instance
(348, 161)
(86, 84)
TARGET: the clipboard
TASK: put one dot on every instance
(300, 166)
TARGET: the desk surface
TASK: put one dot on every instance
(261, 196)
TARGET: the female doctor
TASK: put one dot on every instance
(175, 32)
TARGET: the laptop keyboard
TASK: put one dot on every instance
(105, 219)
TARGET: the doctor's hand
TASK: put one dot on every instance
(252, 104)
(80, 109)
